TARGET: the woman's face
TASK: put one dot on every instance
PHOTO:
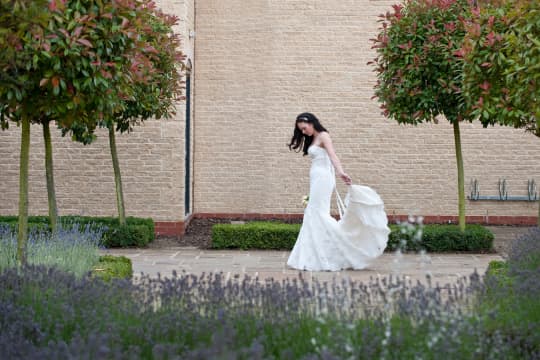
(306, 128)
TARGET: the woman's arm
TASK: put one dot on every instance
(326, 142)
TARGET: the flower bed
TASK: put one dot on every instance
(137, 231)
(48, 313)
(73, 248)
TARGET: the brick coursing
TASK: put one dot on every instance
(256, 65)
(260, 63)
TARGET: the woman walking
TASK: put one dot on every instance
(324, 243)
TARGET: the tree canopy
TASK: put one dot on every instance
(502, 64)
(417, 66)
(419, 69)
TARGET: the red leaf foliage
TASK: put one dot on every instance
(84, 42)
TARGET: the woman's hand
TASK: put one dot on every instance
(346, 178)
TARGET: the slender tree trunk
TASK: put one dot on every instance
(538, 134)
(117, 177)
(22, 236)
(51, 193)
(461, 176)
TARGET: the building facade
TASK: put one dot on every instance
(256, 64)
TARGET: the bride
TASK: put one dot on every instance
(324, 243)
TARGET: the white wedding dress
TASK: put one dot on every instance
(350, 243)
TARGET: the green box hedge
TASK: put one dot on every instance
(254, 235)
(137, 231)
(113, 267)
(127, 235)
(442, 238)
(274, 235)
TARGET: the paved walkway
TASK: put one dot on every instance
(443, 268)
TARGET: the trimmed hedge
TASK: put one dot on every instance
(128, 235)
(113, 267)
(275, 235)
(442, 238)
(137, 231)
(255, 235)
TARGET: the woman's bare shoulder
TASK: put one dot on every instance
(324, 136)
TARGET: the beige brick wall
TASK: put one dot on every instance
(259, 63)
(185, 10)
(256, 64)
(151, 161)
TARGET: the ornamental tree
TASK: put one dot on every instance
(153, 95)
(20, 23)
(70, 62)
(502, 64)
(419, 69)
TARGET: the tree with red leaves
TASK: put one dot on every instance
(75, 63)
(419, 68)
(156, 88)
(502, 64)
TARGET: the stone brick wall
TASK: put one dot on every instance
(260, 63)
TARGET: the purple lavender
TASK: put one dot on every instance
(47, 313)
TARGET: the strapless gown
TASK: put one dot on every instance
(353, 242)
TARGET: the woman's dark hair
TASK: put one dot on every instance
(301, 141)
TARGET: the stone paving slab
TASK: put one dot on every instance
(264, 264)
(443, 268)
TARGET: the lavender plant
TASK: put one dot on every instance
(47, 313)
(72, 247)
(511, 297)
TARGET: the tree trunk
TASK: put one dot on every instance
(461, 176)
(22, 236)
(117, 177)
(537, 133)
(51, 193)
